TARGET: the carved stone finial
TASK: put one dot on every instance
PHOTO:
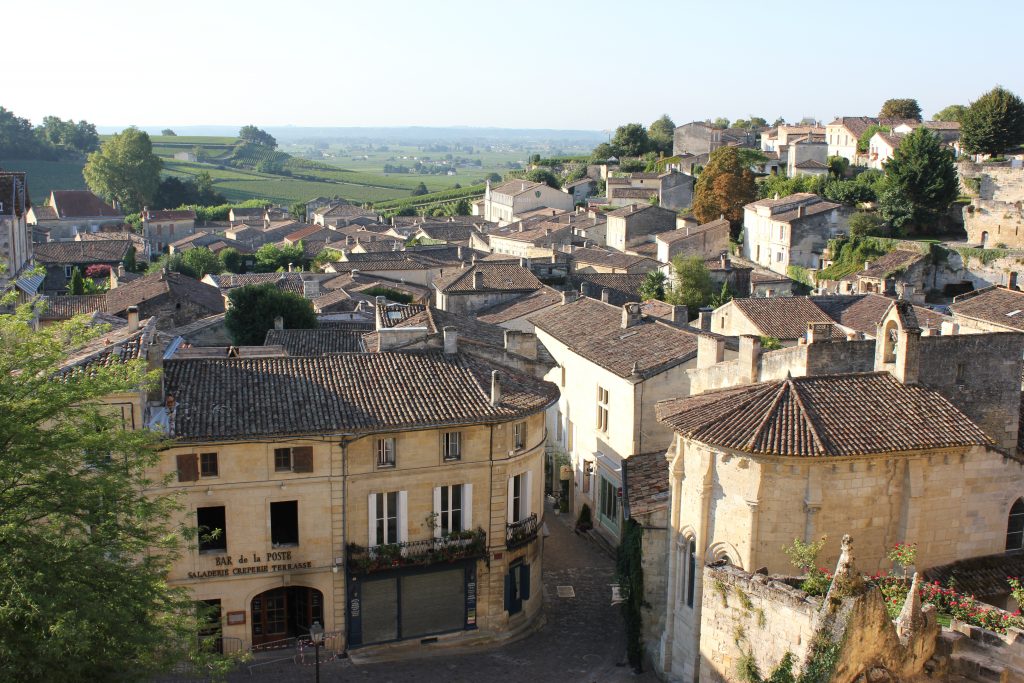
(847, 579)
(911, 619)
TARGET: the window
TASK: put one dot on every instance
(451, 445)
(208, 465)
(517, 587)
(609, 503)
(284, 523)
(68, 272)
(588, 473)
(282, 460)
(454, 508)
(519, 497)
(388, 518)
(602, 409)
(519, 436)
(691, 570)
(298, 459)
(386, 452)
(212, 529)
(1015, 526)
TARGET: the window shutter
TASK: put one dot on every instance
(527, 494)
(372, 516)
(188, 467)
(467, 507)
(508, 500)
(403, 516)
(437, 511)
(302, 459)
(524, 582)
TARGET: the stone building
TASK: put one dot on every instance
(62, 258)
(614, 363)
(707, 240)
(390, 497)
(671, 189)
(699, 138)
(810, 453)
(791, 231)
(483, 285)
(636, 224)
(508, 201)
(531, 238)
(901, 268)
(162, 228)
(807, 156)
(843, 134)
(995, 215)
(15, 238)
(991, 309)
(591, 260)
(70, 212)
(174, 299)
(581, 190)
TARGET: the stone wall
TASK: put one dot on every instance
(654, 562)
(995, 214)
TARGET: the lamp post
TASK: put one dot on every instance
(316, 634)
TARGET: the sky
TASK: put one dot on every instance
(565, 64)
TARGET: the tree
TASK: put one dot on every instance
(838, 166)
(920, 182)
(125, 170)
(85, 550)
(603, 152)
(270, 257)
(660, 133)
(230, 260)
(631, 140)
(129, 260)
(900, 108)
(71, 138)
(258, 137)
(722, 297)
(865, 224)
(298, 211)
(754, 123)
(493, 178)
(721, 123)
(993, 124)
(254, 307)
(168, 132)
(724, 187)
(420, 190)
(653, 286)
(954, 112)
(18, 140)
(864, 141)
(692, 286)
(201, 261)
(77, 284)
(544, 175)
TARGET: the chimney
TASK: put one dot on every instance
(478, 279)
(568, 297)
(451, 339)
(458, 252)
(867, 264)
(495, 388)
(818, 333)
(604, 294)
(749, 357)
(681, 315)
(584, 288)
(631, 315)
(521, 343)
(349, 240)
(524, 263)
(133, 318)
(800, 211)
(950, 327)
(278, 323)
(704, 318)
(907, 294)
(311, 288)
(290, 267)
(354, 273)
(1011, 281)
(726, 264)
(710, 350)
(121, 271)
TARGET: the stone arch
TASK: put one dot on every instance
(890, 334)
(724, 550)
(984, 239)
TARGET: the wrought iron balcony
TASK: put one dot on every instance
(518, 534)
(460, 545)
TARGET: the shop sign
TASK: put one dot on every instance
(253, 563)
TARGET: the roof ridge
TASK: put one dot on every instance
(819, 441)
(768, 416)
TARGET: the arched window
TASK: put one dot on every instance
(891, 335)
(691, 570)
(1015, 526)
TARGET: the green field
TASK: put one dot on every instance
(44, 176)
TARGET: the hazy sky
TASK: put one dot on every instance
(523, 64)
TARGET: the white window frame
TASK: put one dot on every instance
(524, 482)
(602, 409)
(451, 446)
(386, 452)
(444, 519)
(401, 519)
(519, 436)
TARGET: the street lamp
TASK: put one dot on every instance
(316, 634)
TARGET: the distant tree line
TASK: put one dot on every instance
(53, 139)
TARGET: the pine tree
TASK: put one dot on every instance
(77, 284)
(920, 183)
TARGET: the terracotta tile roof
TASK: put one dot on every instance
(345, 211)
(315, 342)
(593, 330)
(515, 187)
(855, 124)
(82, 204)
(632, 210)
(310, 232)
(375, 263)
(211, 241)
(766, 277)
(995, 305)
(247, 212)
(645, 486)
(497, 277)
(581, 181)
(812, 164)
(823, 416)
(354, 392)
(611, 259)
(333, 301)
(99, 251)
(982, 577)
(44, 213)
(633, 193)
(394, 314)
(470, 329)
(68, 306)
(448, 232)
(170, 215)
(155, 285)
(521, 306)
(890, 139)
(622, 287)
(784, 318)
(863, 312)
(113, 347)
(538, 233)
(136, 239)
(787, 209)
(884, 266)
(382, 245)
(680, 234)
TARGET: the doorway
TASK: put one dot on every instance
(284, 613)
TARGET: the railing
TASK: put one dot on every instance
(460, 545)
(270, 656)
(518, 534)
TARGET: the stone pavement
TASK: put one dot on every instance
(582, 639)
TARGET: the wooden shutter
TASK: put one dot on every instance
(188, 467)
(302, 459)
(371, 534)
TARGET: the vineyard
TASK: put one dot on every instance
(44, 176)
(430, 200)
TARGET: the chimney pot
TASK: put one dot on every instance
(495, 388)
(133, 318)
(703, 317)
(631, 315)
(604, 294)
(278, 323)
(451, 339)
(478, 279)
(749, 357)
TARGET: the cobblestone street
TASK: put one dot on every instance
(582, 639)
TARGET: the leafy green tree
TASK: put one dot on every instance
(202, 261)
(631, 140)
(298, 211)
(993, 124)
(954, 112)
(86, 543)
(660, 133)
(270, 257)
(653, 286)
(866, 224)
(168, 132)
(19, 141)
(724, 187)
(68, 136)
(544, 175)
(864, 141)
(920, 183)
(257, 136)
(129, 260)
(838, 166)
(125, 170)
(722, 297)
(603, 152)
(753, 123)
(494, 178)
(900, 108)
(721, 123)
(77, 283)
(692, 284)
(230, 260)
(420, 190)
(254, 307)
